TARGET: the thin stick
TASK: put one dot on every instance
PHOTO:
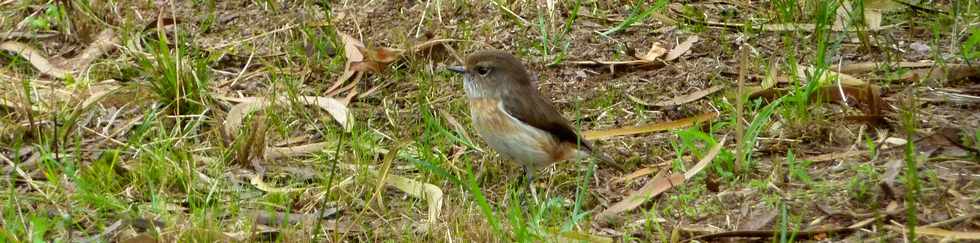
(740, 110)
(523, 21)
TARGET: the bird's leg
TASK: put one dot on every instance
(529, 179)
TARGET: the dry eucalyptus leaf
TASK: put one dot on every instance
(683, 99)
(97, 95)
(647, 128)
(259, 183)
(871, 66)
(432, 43)
(706, 160)
(336, 109)
(352, 51)
(383, 55)
(830, 77)
(352, 48)
(651, 55)
(233, 121)
(576, 236)
(873, 10)
(652, 188)
(656, 51)
(36, 58)
(952, 235)
(635, 174)
(104, 42)
(659, 185)
(431, 193)
(682, 48)
(298, 150)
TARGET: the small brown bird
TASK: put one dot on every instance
(513, 117)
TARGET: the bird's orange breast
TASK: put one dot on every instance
(514, 139)
(487, 116)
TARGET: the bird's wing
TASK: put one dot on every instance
(533, 109)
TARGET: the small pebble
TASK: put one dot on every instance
(919, 47)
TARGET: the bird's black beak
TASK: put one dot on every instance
(457, 69)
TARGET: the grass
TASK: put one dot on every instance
(911, 169)
(639, 13)
(155, 150)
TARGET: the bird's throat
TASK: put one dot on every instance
(474, 89)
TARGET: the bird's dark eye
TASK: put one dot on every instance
(483, 70)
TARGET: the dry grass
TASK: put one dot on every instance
(160, 135)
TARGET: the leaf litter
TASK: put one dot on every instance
(840, 89)
(659, 184)
(104, 42)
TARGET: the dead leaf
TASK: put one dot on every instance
(431, 43)
(352, 48)
(945, 141)
(872, 19)
(833, 156)
(26, 35)
(382, 55)
(803, 234)
(105, 233)
(273, 153)
(36, 58)
(4, 102)
(635, 174)
(140, 238)
(828, 77)
(104, 42)
(658, 185)
(873, 10)
(683, 99)
(431, 193)
(281, 218)
(352, 51)
(884, 5)
(235, 116)
(376, 59)
(652, 188)
(788, 27)
(887, 182)
(835, 87)
(932, 231)
(866, 98)
(706, 160)
(682, 48)
(646, 128)
(651, 55)
(947, 73)
(98, 95)
(760, 217)
(576, 236)
(863, 67)
(334, 107)
(843, 16)
(655, 52)
(780, 27)
(260, 184)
